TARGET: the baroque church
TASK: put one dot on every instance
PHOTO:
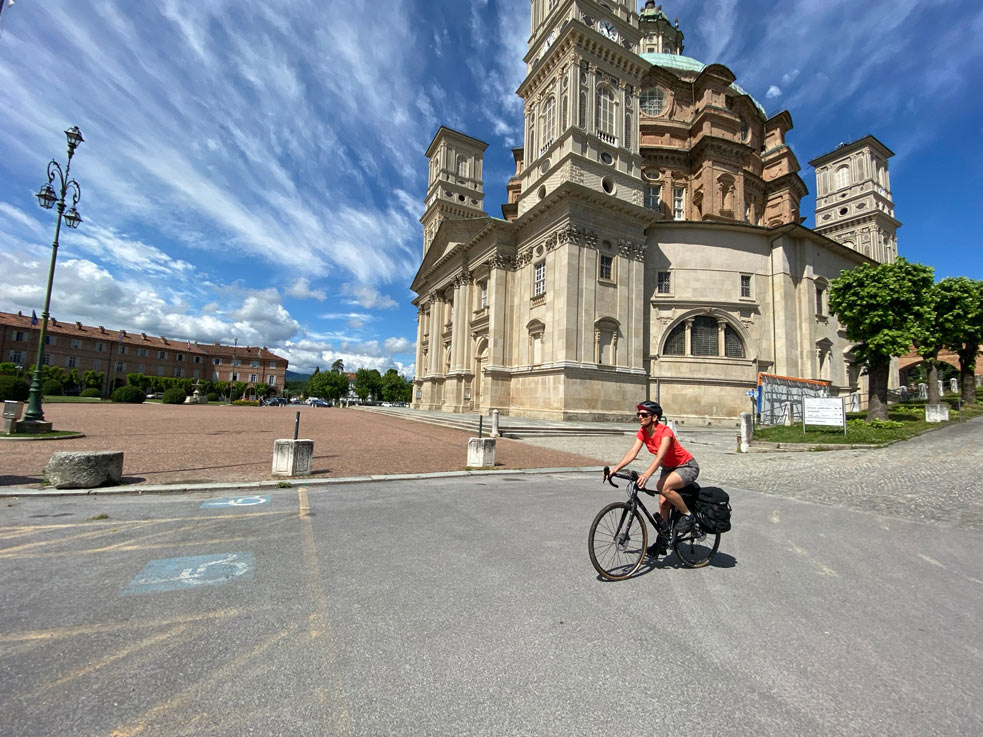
(651, 246)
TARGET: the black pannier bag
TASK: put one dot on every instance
(713, 509)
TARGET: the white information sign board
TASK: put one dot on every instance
(824, 411)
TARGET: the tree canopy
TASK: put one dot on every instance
(959, 312)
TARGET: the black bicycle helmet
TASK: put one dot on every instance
(652, 407)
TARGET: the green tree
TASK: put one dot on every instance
(93, 379)
(338, 366)
(927, 339)
(368, 383)
(262, 390)
(329, 385)
(393, 387)
(960, 315)
(881, 307)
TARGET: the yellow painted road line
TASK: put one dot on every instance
(130, 548)
(57, 540)
(118, 522)
(95, 629)
(193, 693)
(337, 715)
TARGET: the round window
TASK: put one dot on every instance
(843, 211)
(608, 184)
(606, 157)
(545, 167)
(653, 101)
(542, 192)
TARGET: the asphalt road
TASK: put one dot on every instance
(469, 607)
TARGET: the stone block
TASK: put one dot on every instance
(293, 457)
(747, 431)
(84, 469)
(481, 452)
(937, 412)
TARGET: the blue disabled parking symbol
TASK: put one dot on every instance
(237, 501)
(174, 574)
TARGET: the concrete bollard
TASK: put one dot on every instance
(747, 432)
(481, 452)
(786, 413)
(293, 457)
(495, 433)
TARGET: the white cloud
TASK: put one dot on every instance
(301, 289)
(368, 297)
(773, 92)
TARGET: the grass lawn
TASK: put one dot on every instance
(76, 400)
(904, 421)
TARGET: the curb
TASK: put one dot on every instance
(253, 486)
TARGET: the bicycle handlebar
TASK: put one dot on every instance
(630, 476)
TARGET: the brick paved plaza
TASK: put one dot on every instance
(177, 443)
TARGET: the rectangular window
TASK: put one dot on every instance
(72, 362)
(214, 375)
(271, 379)
(97, 364)
(745, 285)
(160, 370)
(539, 279)
(678, 203)
(197, 359)
(76, 343)
(179, 373)
(144, 352)
(45, 359)
(101, 347)
(254, 364)
(197, 373)
(179, 357)
(606, 268)
(123, 350)
(664, 283)
(233, 376)
(161, 355)
(483, 286)
(50, 339)
(272, 364)
(120, 367)
(16, 356)
(141, 368)
(653, 196)
(216, 362)
(820, 294)
(19, 335)
(252, 378)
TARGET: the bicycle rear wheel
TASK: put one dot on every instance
(618, 541)
(695, 547)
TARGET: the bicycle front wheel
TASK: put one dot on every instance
(695, 547)
(618, 541)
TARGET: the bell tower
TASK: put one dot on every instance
(853, 198)
(581, 99)
(454, 188)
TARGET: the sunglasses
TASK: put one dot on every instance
(642, 415)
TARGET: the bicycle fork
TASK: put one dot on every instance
(622, 535)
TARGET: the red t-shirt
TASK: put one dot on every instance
(677, 455)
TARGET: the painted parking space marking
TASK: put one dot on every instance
(236, 501)
(175, 574)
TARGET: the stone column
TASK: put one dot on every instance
(721, 331)
(436, 322)
(689, 336)
(420, 368)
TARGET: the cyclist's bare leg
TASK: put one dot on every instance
(668, 496)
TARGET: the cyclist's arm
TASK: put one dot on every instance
(663, 449)
(629, 456)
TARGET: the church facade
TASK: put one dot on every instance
(651, 246)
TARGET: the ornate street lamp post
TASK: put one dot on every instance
(34, 417)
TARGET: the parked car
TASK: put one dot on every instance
(318, 403)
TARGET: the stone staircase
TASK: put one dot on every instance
(515, 428)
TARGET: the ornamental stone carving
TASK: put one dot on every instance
(465, 277)
(577, 236)
(630, 249)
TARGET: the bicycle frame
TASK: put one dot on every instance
(655, 520)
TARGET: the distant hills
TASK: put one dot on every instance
(296, 376)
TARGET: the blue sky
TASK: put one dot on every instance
(255, 171)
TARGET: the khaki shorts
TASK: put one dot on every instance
(687, 472)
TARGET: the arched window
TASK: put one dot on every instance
(676, 342)
(462, 166)
(582, 117)
(547, 120)
(843, 177)
(653, 101)
(605, 111)
(532, 131)
(704, 338)
(733, 345)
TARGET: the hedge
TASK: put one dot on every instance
(91, 393)
(14, 389)
(174, 395)
(129, 394)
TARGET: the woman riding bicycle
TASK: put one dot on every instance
(679, 468)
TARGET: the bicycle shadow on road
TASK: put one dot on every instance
(672, 561)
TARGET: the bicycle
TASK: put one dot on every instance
(618, 541)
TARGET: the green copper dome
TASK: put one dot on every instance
(686, 64)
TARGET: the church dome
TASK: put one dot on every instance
(679, 63)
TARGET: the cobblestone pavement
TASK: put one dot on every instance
(936, 477)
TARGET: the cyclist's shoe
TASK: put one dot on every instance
(660, 547)
(685, 524)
